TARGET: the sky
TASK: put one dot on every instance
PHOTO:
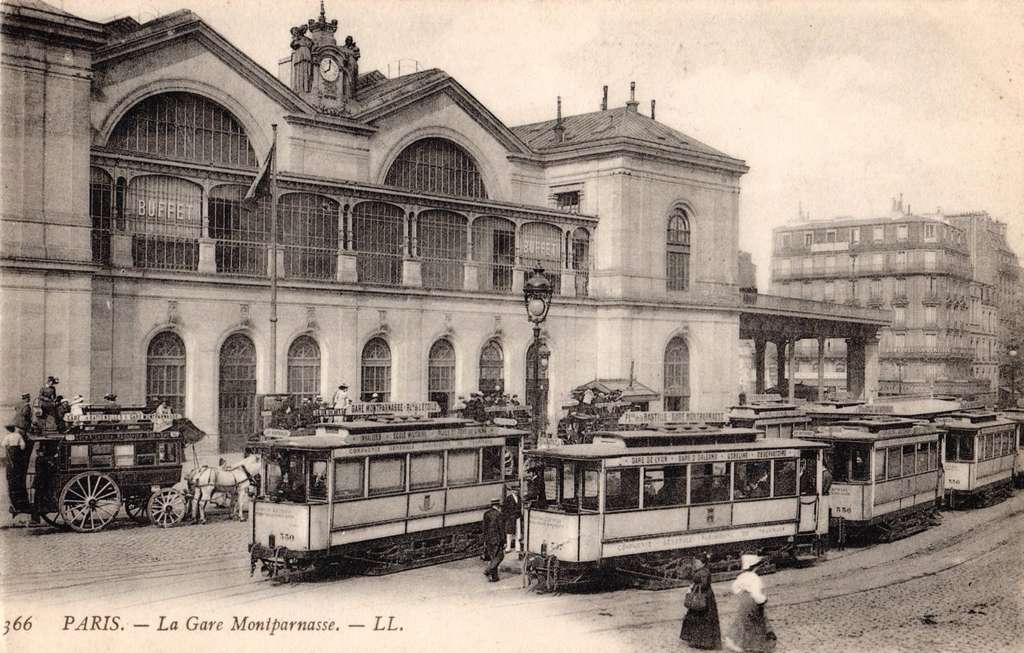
(836, 107)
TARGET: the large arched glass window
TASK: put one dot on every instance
(304, 367)
(678, 254)
(376, 371)
(237, 391)
(436, 165)
(494, 251)
(378, 240)
(441, 375)
(308, 233)
(165, 370)
(186, 127)
(165, 217)
(492, 368)
(442, 247)
(241, 233)
(540, 246)
(677, 375)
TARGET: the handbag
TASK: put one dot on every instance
(695, 600)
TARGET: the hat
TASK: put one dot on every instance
(110, 396)
(343, 387)
(375, 395)
(52, 379)
(25, 395)
(77, 400)
(495, 502)
(748, 561)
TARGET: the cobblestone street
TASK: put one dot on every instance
(956, 587)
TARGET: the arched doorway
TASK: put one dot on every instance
(441, 375)
(237, 391)
(537, 384)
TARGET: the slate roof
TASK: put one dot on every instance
(614, 124)
(377, 90)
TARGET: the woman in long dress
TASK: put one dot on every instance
(700, 627)
(750, 632)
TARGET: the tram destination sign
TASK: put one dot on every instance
(703, 457)
(671, 417)
(393, 408)
(388, 437)
(405, 447)
(108, 436)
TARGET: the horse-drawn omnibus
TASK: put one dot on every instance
(109, 456)
(639, 505)
(380, 495)
(981, 448)
(886, 475)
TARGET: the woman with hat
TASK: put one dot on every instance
(750, 631)
(700, 625)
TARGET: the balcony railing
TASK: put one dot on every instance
(808, 306)
(870, 269)
(927, 353)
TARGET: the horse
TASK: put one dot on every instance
(204, 482)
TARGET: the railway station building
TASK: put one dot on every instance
(408, 217)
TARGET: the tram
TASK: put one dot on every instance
(1016, 415)
(979, 461)
(639, 505)
(887, 476)
(775, 418)
(380, 495)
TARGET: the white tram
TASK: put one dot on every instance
(887, 476)
(979, 462)
(380, 496)
(1016, 415)
(641, 504)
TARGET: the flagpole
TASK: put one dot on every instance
(273, 264)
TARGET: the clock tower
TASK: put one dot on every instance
(322, 72)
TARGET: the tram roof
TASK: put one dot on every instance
(895, 407)
(974, 421)
(601, 451)
(367, 437)
(1014, 414)
(871, 430)
(670, 431)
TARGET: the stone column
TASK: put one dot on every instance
(871, 367)
(780, 359)
(790, 355)
(821, 368)
(759, 346)
(855, 368)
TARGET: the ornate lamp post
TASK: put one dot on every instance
(537, 297)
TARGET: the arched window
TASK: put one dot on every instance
(186, 127)
(492, 368)
(376, 371)
(540, 246)
(237, 391)
(165, 370)
(308, 234)
(442, 247)
(241, 233)
(494, 250)
(165, 217)
(304, 367)
(677, 375)
(101, 210)
(436, 165)
(678, 255)
(441, 375)
(378, 240)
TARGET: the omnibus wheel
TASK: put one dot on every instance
(166, 508)
(89, 501)
(136, 508)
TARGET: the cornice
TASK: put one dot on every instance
(630, 147)
(51, 27)
(331, 123)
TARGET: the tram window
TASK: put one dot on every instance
(785, 477)
(622, 489)
(893, 462)
(463, 467)
(933, 455)
(665, 486)
(591, 487)
(145, 454)
(286, 477)
(551, 472)
(387, 474)
(966, 453)
(493, 461)
(567, 491)
(752, 480)
(426, 470)
(168, 452)
(859, 463)
(79, 455)
(101, 455)
(988, 446)
(908, 459)
(511, 458)
(709, 483)
(879, 465)
(348, 479)
(809, 473)
(318, 479)
(922, 457)
(951, 440)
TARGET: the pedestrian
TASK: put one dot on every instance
(700, 624)
(750, 632)
(17, 467)
(511, 511)
(341, 399)
(76, 406)
(494, 540)
(23, 414)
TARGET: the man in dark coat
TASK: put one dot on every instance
(494, 540)
(511, 512)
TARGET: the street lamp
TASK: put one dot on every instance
(537, 292)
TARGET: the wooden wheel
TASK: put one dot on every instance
(166, 508)
(136, 508)
(89, 501)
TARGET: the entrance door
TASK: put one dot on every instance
(237, 392)
(537, 387)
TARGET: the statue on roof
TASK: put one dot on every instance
(302, 60)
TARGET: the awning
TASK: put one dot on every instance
(634, 392)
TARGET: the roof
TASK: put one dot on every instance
(616, 125)
(854, 435)
(974, 421)
(345, 437)
(377, 90)
(912, 408)
(631, 391)
(600, 451)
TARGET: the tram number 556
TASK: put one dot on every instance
(19, 624)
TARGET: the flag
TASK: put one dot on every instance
(260, 187)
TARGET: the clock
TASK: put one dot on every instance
(329, 69)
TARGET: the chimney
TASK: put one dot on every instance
(604, 99)
(652, 109)
(559, 127)
(632, 104)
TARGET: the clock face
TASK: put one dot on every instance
(329, 69)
